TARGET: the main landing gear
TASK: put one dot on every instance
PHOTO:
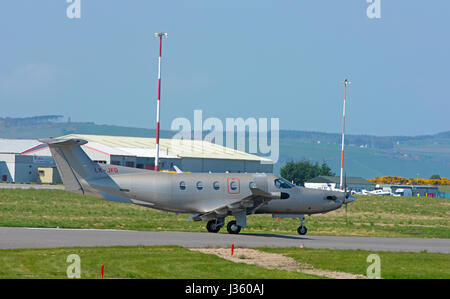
(214, 226)
(233, 228)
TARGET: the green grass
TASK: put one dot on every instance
(131, 262)
(162, 262)
(367, 216)
(393, 264)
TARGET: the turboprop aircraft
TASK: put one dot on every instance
(207, 197)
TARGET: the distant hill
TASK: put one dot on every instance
(365, 156)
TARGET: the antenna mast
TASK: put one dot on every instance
(346, 83)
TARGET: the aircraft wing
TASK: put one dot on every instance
(247, 205)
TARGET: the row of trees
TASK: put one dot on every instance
(300, 172)
(396, 180)
(9, 122)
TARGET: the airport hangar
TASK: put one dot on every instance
(30, 160)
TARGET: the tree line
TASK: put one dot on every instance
(302, 171)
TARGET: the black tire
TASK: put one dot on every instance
(212, 227)
(302, 230)
(233, 228)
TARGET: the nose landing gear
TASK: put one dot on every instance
(302, 230)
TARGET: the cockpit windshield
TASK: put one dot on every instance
(283, 184)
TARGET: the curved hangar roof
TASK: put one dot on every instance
(171, 147)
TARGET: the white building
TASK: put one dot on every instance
(188, 155)
(17, 167)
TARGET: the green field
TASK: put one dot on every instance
(367, 216)
(162, 262)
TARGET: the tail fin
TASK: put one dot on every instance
(72, 162)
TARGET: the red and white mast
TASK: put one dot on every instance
(160, 35)
(346, 82)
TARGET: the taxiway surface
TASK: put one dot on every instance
(13, 238)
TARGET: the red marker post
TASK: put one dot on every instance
(160, 36)
(101, 271)
(232, 249)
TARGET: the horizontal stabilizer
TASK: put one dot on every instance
(63, 142)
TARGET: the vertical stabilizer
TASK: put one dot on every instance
(73, 164)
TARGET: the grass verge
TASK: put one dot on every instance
(159, 262)
(393, 265)
(172, 262)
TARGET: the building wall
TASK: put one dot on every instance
(164, 163)
(25, 169)
(97, 155)
(223, 165)
(256, 166)
(123, 160)
(21, 168)
(7, 166)
(49, 175)
(218, 165)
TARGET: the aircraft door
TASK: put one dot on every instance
(233, 185)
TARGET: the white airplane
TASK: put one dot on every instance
(207, 197)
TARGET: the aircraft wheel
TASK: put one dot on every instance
(302, 230)
(212, 227)
(233, 228)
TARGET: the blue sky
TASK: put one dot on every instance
(283, 59)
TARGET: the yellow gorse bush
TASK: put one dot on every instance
(397, 180)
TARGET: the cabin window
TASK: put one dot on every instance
(216, 185)
(252, 185)
(182, 185)
(200, 185)
(233, 185)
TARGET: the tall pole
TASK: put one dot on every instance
(160, 35)
(346, 82)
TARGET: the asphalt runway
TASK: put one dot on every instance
(14, 238)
